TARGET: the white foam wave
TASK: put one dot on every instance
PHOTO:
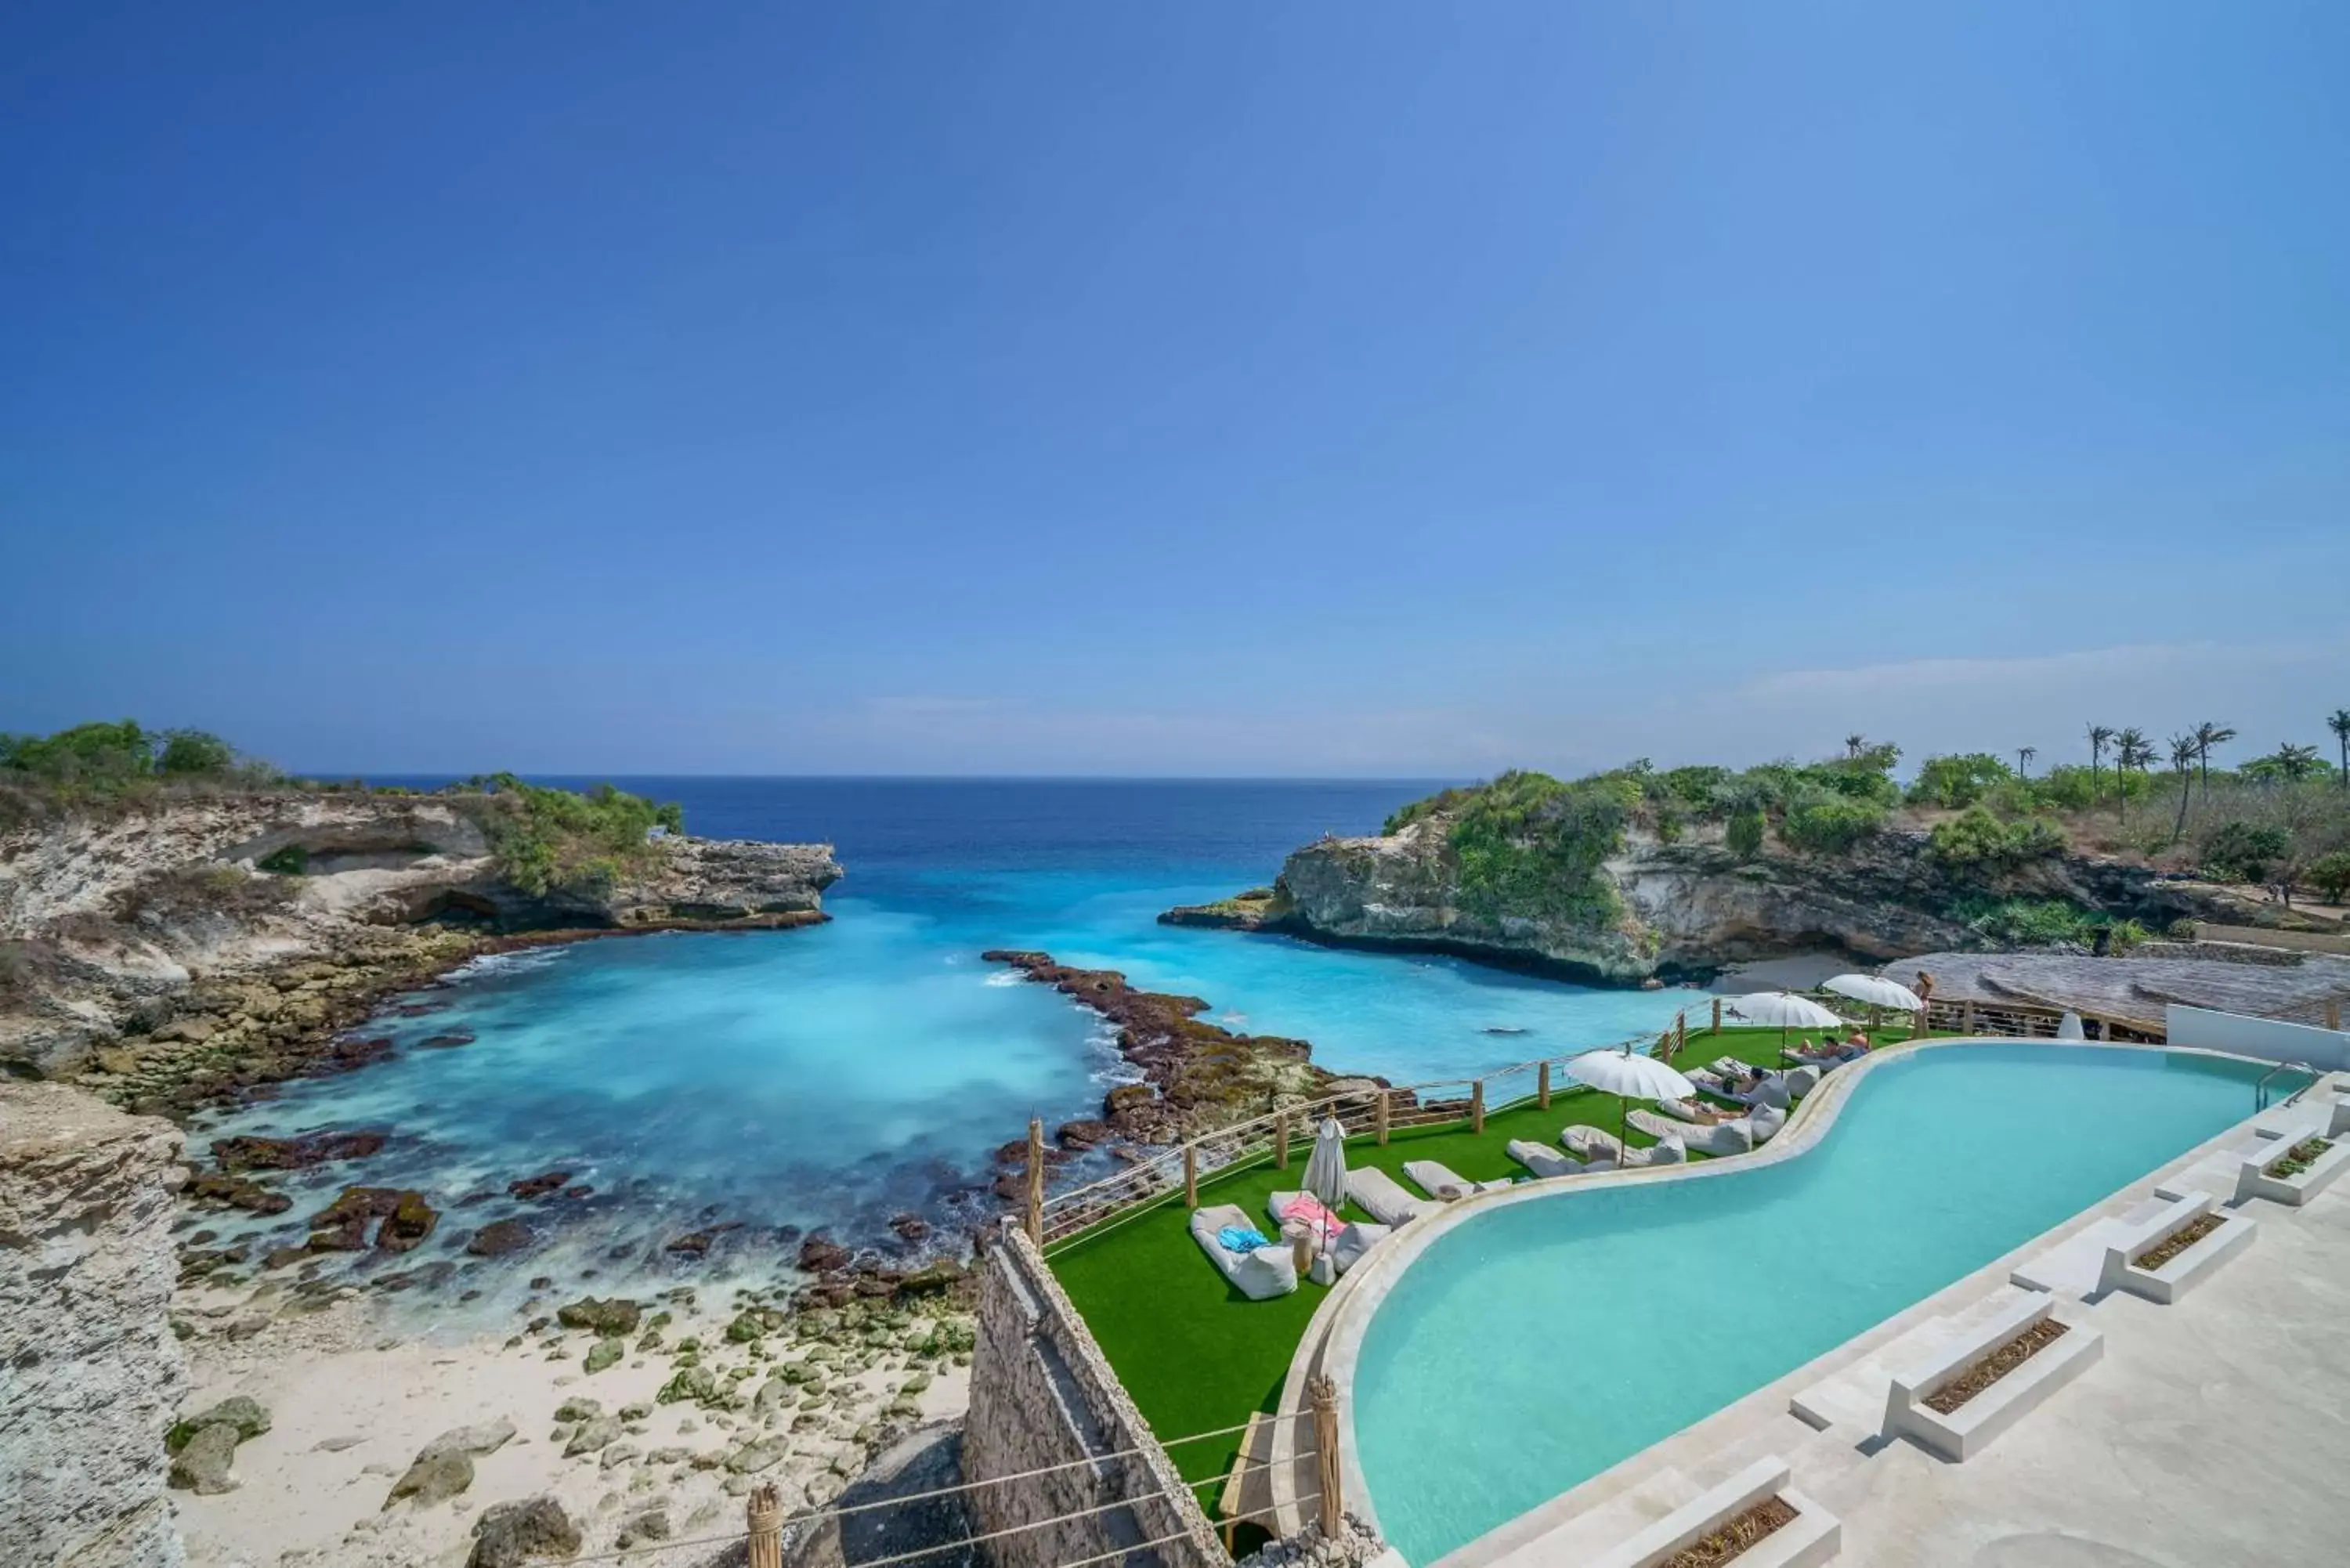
(1006, 977)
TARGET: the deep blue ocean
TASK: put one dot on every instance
(839, 1075)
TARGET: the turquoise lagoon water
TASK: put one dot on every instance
(1537, 1345)
(840, 1075)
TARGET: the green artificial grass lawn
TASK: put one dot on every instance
(1195, 1353)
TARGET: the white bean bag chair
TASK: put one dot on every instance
(1260, 1273)
(1592, 1145)
(1354, 1241)
(1667, 1151)
(1543, 1162)
(1763, 1123)
(1721, 1139)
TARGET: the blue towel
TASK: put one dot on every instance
(1240, 1239)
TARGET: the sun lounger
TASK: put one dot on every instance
(1724, 1137)
(1591, 1144)
(1542, 1162)
(1801, 1081)
(1667, 1151)
(1439, 1180)
(1261, 1275)
(1835, 1057)
(1346, 1243)
(1730, 1067)
(1383, 1197)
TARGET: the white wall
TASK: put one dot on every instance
(2269, 1038)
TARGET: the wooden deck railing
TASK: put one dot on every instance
(1275, 1137)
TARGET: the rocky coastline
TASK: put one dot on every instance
(1673, 911)
(1195, 1075)
(164, 959)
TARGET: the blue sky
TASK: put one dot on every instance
(1212, 389)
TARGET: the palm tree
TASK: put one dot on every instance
(2098, 735)
(2340, 725)
(2024, 755)
(1855, 744)
(2131, 750)
(2185, 749)
(2293, 762)
(2208, 735)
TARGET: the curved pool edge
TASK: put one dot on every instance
(1333, 1341)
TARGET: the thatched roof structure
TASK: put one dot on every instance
(2136, 988)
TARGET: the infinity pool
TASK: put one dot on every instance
(1541, 1342)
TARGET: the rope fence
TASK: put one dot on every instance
(766, 1522)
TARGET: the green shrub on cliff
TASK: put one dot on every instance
(546, 839)
(1830, 823)
(1976, 840)
(1955, 783)
(1744, 835)
(1528, 845)
(2041, 922)
(108, 764)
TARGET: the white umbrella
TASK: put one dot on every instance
(1878, 992)
(1783, 1008)
(1631, 1077)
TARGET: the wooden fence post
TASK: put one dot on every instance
(1280, 1140)
(1918, 1026)
(1383, 1117)
(766, 1521)
(1967, 1017)
(1035, 1199)
(1542, 1086)
(1477, 1106)
(1191, 1176)
(1681, 1032)
(1322, 1395)
(2332, 1013)
(1717, 1013)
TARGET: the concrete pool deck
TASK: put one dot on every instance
(2213, 1429)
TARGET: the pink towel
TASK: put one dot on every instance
(1314, 1212)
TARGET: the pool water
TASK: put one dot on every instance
(1540, 1344)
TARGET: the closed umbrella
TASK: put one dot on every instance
(1630, 1077)
(1878, 992)
(1325, 1172)
(1783, 1008)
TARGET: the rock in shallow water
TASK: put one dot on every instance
(615, 1316)
(241, 1154)
(498, 1239)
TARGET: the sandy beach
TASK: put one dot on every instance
(353, 1400)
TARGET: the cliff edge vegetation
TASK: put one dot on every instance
(1638, 872)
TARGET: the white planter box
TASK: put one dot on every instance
(1968, 1429)
(2254, 1180)
(2192, 1267)
(1812, 1537)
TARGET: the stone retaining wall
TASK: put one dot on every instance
(91, 1374)
(1042, 1395)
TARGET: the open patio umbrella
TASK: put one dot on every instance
(1783, 1008)
(1878, 992)
(1628, 1077)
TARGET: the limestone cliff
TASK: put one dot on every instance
(172, 925)
(1681, 907)
(94, 1374)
